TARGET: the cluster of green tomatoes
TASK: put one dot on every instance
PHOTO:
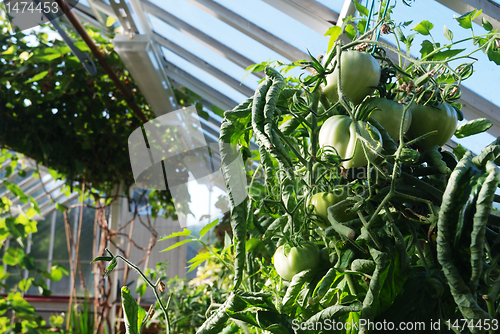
(360, 74)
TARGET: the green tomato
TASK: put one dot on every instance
(426, 119)
(322, 201)
(340, 132)
(360, 75)
(389, 113)
(289, 260)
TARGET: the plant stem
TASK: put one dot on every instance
(292, 148)
(152, 286)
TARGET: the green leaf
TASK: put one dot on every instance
(493, 54)
(400, 35)
(443, 55)
(110, 21)
(10, 50)
(141, 287)
(362, 26)
(477, 14)
(24, 56)
(61, 207)
(360, 8)
(13, 256)
(227, 241)
(487, 25)
(465, 21)
(473, 127)
(35, 205)
(459, 151)
(350, 32)
(48, 57)
(254, 68)
(203, 256)
(424, 28)
(110, 267)
(25, 284)
(447, 33)
(57, 272)
(334, 33)
(16, 190)
(208, 227)
(133, 313)
(427, 47)
(102, 258)
(184, 232)
(251, 244)
(180, 243)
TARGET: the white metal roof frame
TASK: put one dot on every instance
(309, 12)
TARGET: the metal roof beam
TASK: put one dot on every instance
(199, 36)
(103, 8)
(193, 59)
(205, 91)
(99, 14)
(52, 208)
(491, 10)
(250, 29)
(309, 12)
(83, 16)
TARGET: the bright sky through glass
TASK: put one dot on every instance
(202, 52)
(282, 26)
(200, 74)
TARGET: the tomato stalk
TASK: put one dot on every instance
(154, 287)
(339, 83)
(313, 148)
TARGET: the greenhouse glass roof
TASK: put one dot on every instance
(212, 42)
(206, 45)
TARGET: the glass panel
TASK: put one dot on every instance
(213, 27)
(87, 235)
(15, 276)
(203, 76)
(33, 290)
(40, 241)
(88, 276)
(202, 52)
(281, 25)
(60, 246)
(334, 5)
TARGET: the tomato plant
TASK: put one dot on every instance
(442, 119)
(361, 74)
(389, 114)
(347, 137)
(322, 201)
(422, 235)
(290, 260)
